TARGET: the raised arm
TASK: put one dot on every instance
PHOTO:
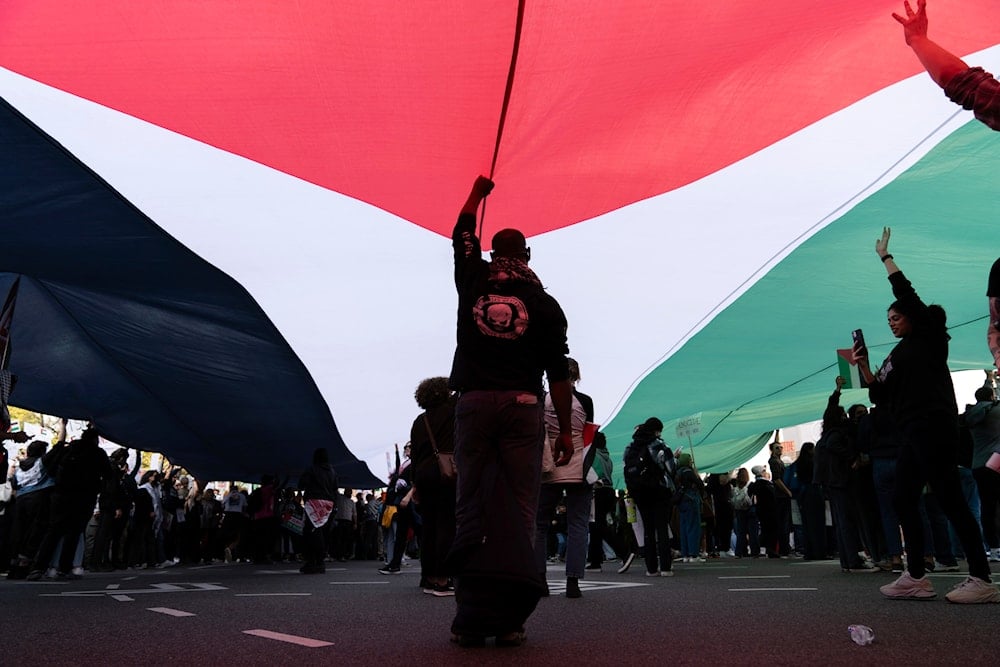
(480, 189)
(832, 411)
(940, 63)
(882, 250)
(468, 250)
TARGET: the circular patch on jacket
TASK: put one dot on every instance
(500, 316)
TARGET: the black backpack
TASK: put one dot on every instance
(640, 470)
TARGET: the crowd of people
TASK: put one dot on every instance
(500, 478)
(73, 507)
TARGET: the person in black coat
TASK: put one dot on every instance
(80, 469)
(914, 386)
(319, 491)
(765, 507)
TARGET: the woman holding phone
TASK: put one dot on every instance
(914, 386)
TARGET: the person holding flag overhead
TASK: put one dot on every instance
(510, 333)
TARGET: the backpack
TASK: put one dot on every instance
(741, 498)
(640, 470)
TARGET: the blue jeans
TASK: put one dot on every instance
(848, 540)
(935, 523)
(578, 497)
(812, 507)
(690, 525)
(747, 533)
(988, 486)
(971, 493)
(884, 474)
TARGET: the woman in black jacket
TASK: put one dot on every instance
(914, 386)
(649, 469)
(434, 431)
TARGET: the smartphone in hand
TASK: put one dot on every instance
(859, 340)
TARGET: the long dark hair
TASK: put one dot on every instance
(805, 459)
(930, 318)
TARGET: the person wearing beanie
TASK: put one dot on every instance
(689, 508)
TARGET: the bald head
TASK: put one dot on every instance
(510, 243)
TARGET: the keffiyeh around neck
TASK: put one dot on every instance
(503, 269)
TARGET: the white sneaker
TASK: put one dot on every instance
(627, 563)
(994, 555)
(906, 587)
(653, 574)
(666, 573)
(973, 591)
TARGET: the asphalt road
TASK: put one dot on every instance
(731, 612)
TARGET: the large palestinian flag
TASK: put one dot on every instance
(231, 219)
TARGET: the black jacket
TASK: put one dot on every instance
(319, 482)
(914, 383)
(509, 332)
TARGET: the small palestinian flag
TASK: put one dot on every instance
(849, 370)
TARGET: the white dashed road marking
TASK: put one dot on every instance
(291, 639)
(753, 590)
(170, 612)
(352, 583)
(560, 586)
(122, 598)
(154, 588)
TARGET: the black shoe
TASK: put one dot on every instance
(389, 570)
(592, 566)
(440, 590)
(573, 588)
